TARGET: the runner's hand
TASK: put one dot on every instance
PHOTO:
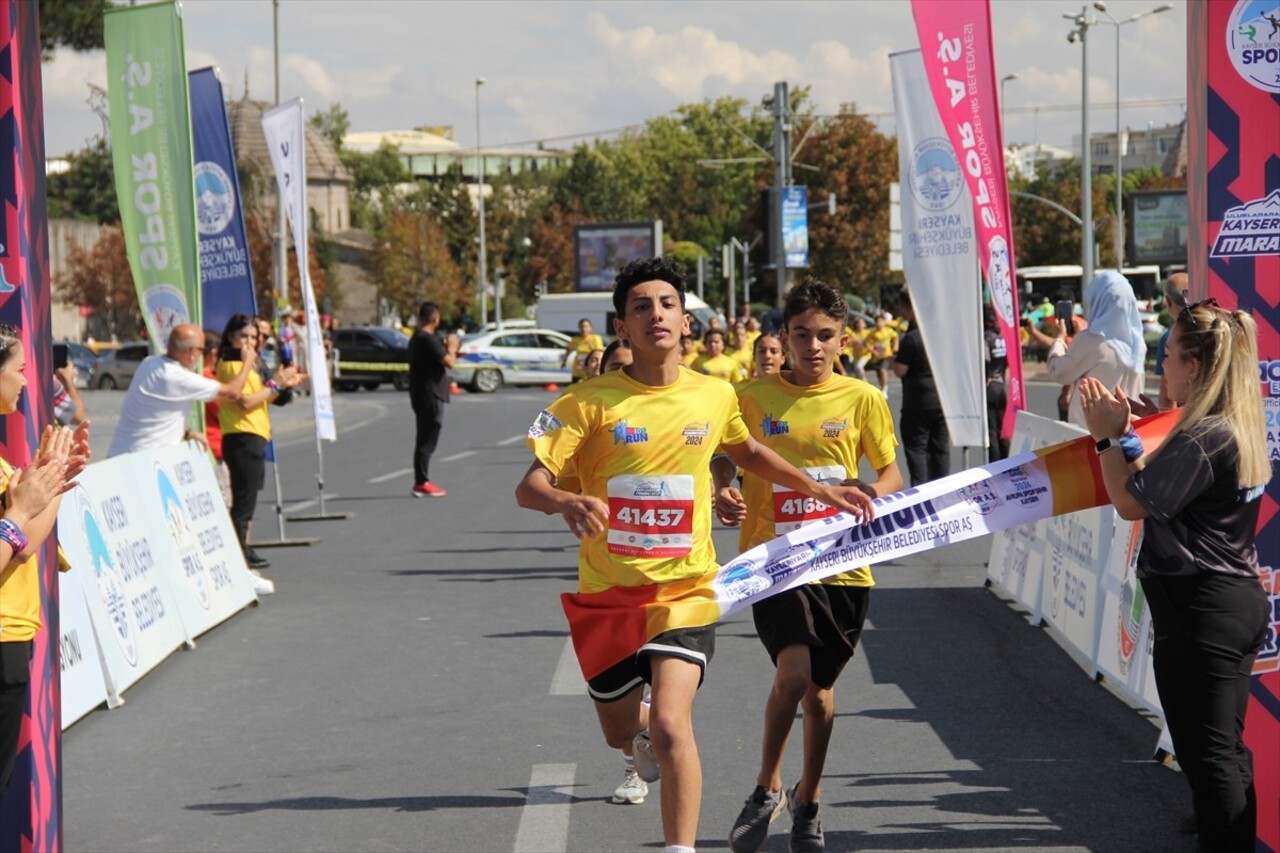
(586, 516)
(730, 508)
(866, 487)
(851, 499)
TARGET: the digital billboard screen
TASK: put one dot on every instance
(1157, 227)
(601, 250)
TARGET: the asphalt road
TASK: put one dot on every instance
(407, 689)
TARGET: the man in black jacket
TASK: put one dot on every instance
(429, 363)
(926, 442)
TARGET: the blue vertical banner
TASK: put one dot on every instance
(226, 274)
(795, 226)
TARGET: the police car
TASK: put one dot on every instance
(512, 356)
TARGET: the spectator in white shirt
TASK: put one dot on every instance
(159, 398)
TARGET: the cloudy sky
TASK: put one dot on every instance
(566, 70)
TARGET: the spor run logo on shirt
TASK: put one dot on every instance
(774, 427)
(623, 434)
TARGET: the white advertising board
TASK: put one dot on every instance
(207, 574)
(109, 535)
(83, 687)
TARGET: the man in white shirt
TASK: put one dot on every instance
(159, 398)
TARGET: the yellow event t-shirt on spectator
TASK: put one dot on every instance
(582, 346)
(882, 343)
(721, 367)
(822, 429)
(646, 452)
(231, 418)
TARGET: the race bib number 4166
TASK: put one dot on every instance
(651, 516)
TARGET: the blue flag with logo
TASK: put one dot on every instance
(225, 272)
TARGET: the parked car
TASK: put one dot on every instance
(512, 356)
(84, 360)
(115, 368)
(367, 356)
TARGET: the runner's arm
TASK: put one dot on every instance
(730, 508)
(753, 456)
(888, 480)
(585, 515)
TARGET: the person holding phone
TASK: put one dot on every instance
(1111, 350)
(68, 406)
(246, 423)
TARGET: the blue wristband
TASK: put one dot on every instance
(11, 533)
(1131, 446)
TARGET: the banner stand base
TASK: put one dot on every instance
(284, 543)
(328, 516)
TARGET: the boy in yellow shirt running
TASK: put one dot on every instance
(641, 439)
(824, 424)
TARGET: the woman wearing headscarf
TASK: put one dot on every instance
(1111, 350)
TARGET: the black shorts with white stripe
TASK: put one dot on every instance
(696, 645)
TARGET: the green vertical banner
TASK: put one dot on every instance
(151, 148)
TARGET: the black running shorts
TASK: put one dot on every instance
(826, 618)
(696, 645)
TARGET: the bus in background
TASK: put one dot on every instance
(1037, 284)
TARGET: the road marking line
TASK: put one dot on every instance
(568, 678)
(463, 455)
(393, 475)
(307, 503)
(511, 440)
(544, 820)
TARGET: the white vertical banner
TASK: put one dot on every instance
(939, 252)
(286, 140)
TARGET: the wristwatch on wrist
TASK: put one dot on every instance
(1106, 444)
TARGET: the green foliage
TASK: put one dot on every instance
(333, 124)
(87, 190)
(1042, 235)
(76, 24)
(375, 177)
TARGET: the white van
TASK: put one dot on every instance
(563, 311)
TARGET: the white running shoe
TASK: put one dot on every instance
(646, 759)
(633, 789)
(261, 585)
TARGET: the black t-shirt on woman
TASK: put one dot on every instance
(1200, 519)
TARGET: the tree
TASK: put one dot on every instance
(1042, 235)
(856, 162)
(76, 24)
(333, 124)
(259, 229)
(100, 277)
(375, 179)
(412, 264)
(87, 190)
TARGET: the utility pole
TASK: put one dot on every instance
(727, 261)
(782, 176)
(282, 247)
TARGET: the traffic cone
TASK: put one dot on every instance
(551, 386)
(454, 389)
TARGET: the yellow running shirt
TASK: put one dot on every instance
(882, 343)
(230, 417)
(721, 367)
(857, 345)
(581, 347)
(822, 429)
(646, 452)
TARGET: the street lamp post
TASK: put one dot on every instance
(484, 252)
(1083, 22)
(1005, 79)
(1102, 7)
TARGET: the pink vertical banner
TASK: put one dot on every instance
(955, 40)
(1233, 254)
(31, 810)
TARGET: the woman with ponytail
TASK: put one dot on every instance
(1200, 494)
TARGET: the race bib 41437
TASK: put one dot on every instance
(651, 516)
